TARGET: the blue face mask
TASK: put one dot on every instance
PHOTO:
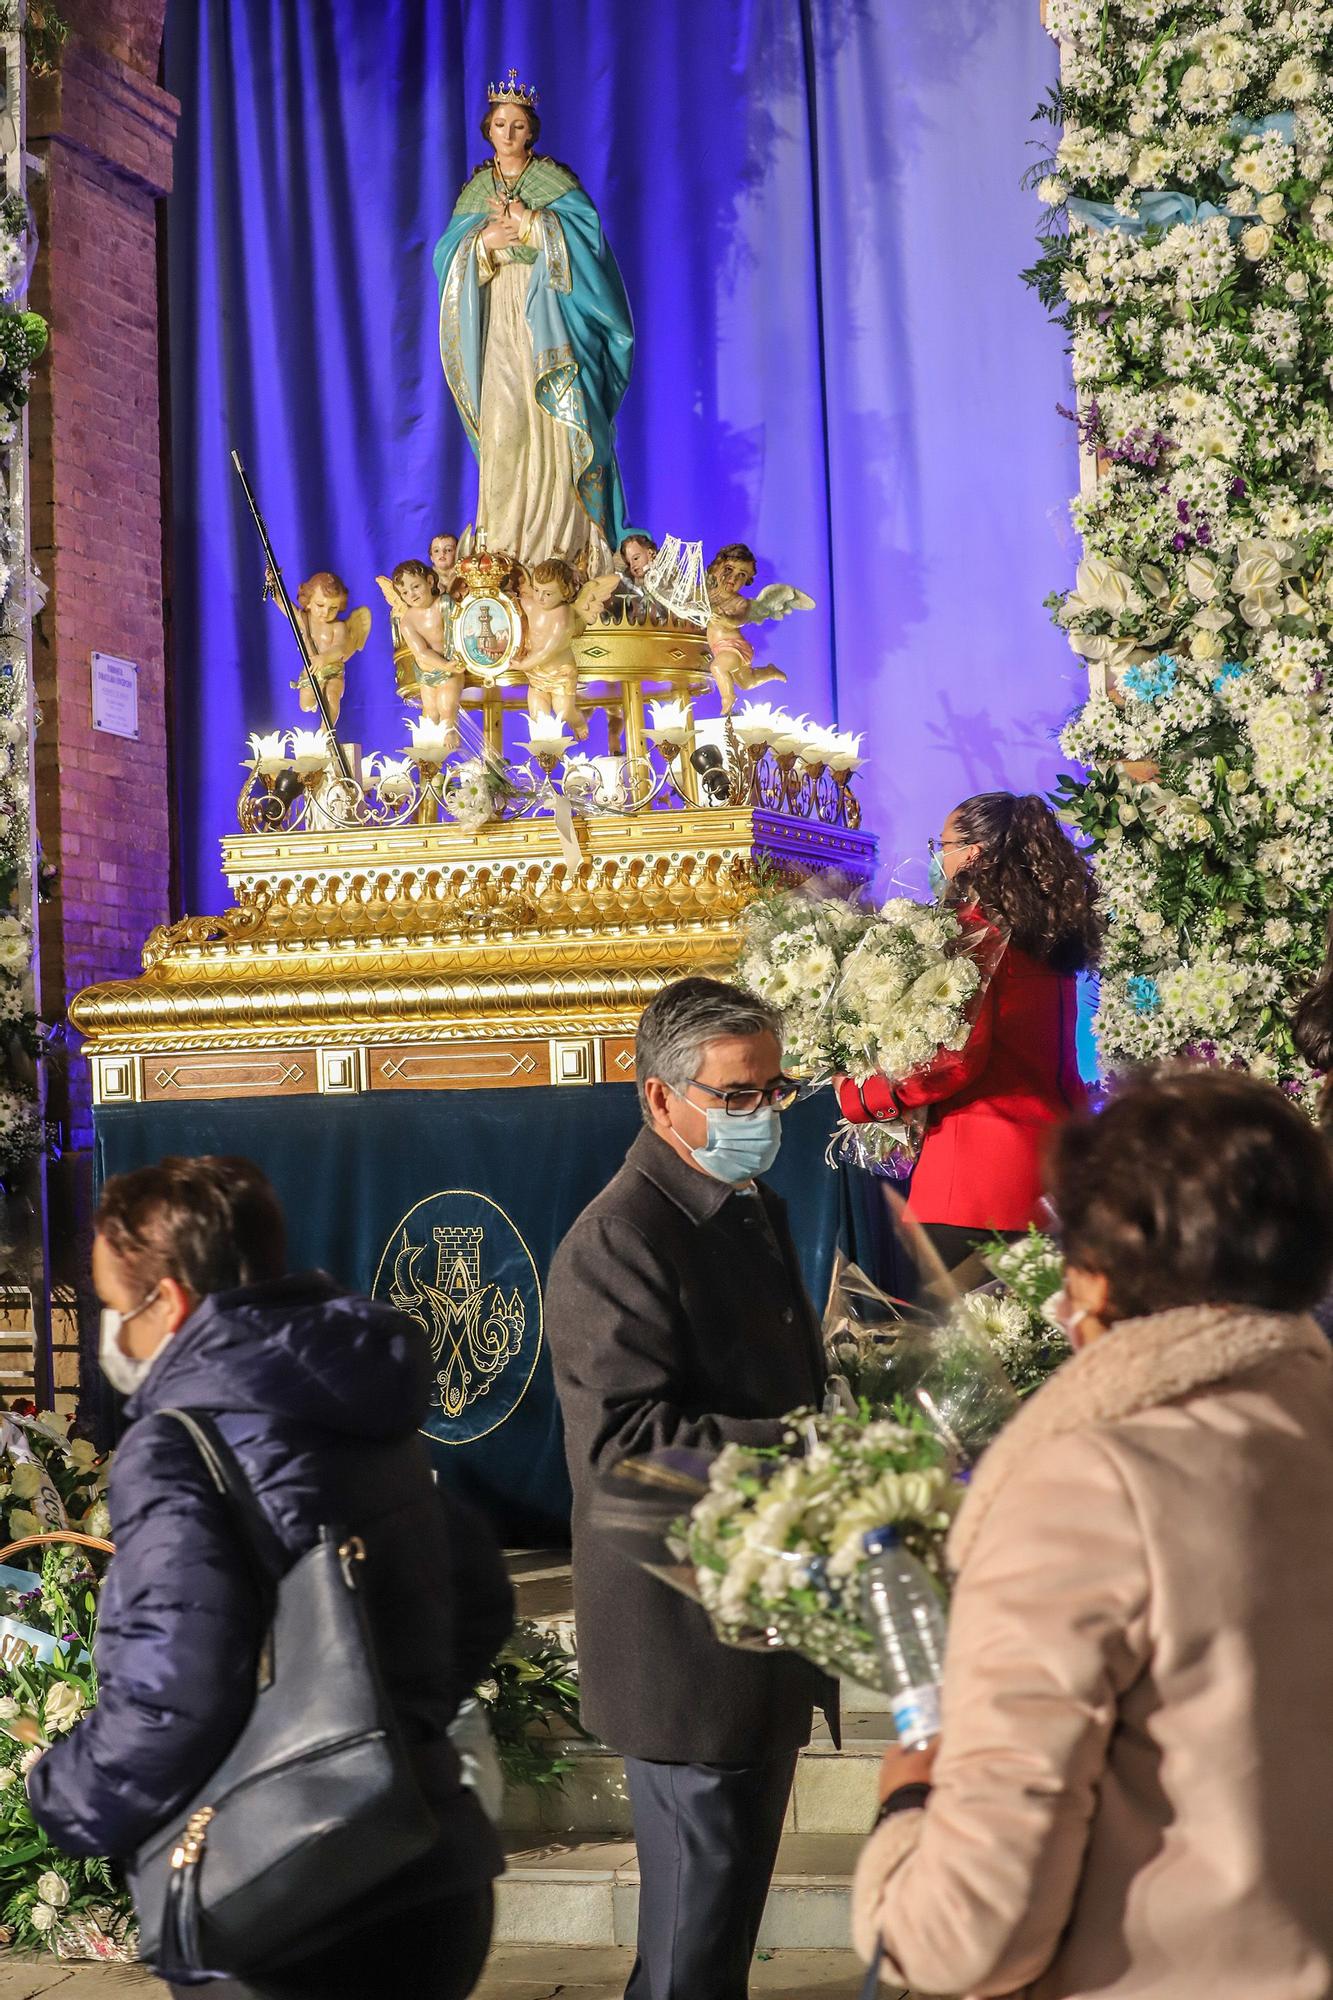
(739, 1148)
(939, 881)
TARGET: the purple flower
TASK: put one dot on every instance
(1180, 543)
(1182, 510)
(1203, 534)
(1238, 489)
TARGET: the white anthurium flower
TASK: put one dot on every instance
(1100, 586)
(759, 722)
(268, 754)
(1272, 546)
(1257, 573)
(1201, 579)
(1214, 618)
(310, 752)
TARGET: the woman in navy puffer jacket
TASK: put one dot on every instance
(320, 1396)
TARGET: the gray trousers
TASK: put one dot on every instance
(707, 1836)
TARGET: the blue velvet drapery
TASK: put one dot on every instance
(817, 211)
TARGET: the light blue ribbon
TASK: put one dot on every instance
(1159, 210)
(1254, 128)
(1163, 209)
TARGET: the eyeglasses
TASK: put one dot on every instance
(938, 846)
(779, 1095)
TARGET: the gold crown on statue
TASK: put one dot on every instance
(513, 92)
(486, 570)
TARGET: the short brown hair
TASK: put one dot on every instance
(1197, 1187)
(556, 570)
(414, 568)
(734, 552)
(323, 580)
(213, 1224)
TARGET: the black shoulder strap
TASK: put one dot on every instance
(270, 1559)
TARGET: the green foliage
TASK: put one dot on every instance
(45, 1893)
(531, 1703)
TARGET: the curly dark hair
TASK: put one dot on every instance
(1197, 1187)
(1030, 878)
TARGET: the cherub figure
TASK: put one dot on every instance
(558, 609)
(732, 663)
(423, 620)
(635, 558)
(444, 561)
(331, 638)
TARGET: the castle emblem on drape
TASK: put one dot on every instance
(458, 1266)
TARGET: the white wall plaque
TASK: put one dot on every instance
(115, 695)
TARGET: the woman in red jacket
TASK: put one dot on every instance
(1004, 863)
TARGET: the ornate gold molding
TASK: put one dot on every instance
(418, 947)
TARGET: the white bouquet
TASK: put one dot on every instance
(865, 991)
(1013, 1316)
(795, 945)
(776, 1542)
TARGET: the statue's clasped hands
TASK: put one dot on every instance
(507, 225)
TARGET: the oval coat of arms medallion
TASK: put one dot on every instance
(459, 1267)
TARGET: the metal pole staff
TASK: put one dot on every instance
(280, 591)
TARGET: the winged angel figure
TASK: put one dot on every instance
(331, 638)
(732, 665)
(557, 610)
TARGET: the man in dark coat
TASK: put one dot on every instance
(676, 1316)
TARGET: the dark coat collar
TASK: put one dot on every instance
(697, 1194)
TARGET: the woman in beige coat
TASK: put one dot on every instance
(1133, 1791)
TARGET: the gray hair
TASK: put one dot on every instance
(679, 1022)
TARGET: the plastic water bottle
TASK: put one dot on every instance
(905, 1614)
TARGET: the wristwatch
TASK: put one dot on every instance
(903, 1798)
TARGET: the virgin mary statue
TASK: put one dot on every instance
(537, 342)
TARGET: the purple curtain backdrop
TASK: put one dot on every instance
(817, 208)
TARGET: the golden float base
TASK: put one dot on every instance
(430, 958)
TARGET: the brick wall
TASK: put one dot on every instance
(103, 129)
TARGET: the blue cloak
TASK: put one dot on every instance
(578, 316)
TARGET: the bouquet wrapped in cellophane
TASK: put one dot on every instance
(865, 991)
(772, 1545)
(775, 1541)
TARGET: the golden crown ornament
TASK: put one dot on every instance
(513, 92)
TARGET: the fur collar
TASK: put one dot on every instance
(1142, 1364)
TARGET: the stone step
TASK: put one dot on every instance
(834, 1790)
(587, 1893)
(599, 1972)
